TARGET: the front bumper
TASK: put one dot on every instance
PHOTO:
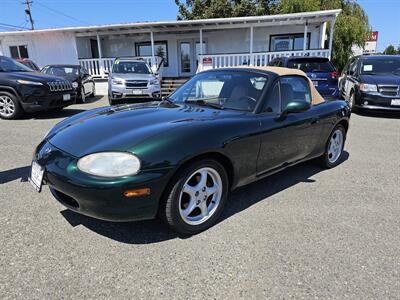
(97, 197)
(122, 92)
(34, 103)
(377, 102)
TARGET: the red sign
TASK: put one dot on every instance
(207, 61)
(372, 36)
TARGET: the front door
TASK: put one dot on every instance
(188, 51)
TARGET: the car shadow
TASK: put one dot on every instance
(21, 173)
(154, 231)
(92, 100)
(379, 114)
(46, 115)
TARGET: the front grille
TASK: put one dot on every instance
(389, 90)
(59, 86)
(136, 83)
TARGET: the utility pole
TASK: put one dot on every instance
(28, 12)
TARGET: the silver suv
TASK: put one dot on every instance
(132, 78)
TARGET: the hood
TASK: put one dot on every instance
(122, 127)
(133, 76)
(33, 76)
(390, 79)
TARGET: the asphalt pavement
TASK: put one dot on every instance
(305, 233)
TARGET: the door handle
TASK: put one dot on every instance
(315, 120)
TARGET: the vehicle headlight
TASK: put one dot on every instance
(110, 164)
(117, 81)
(365, 87)
(75, 84)
(29, 82)
(154, 82)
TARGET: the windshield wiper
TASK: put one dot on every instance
(206, 103)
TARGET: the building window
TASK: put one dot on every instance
(160, 49)
(20, 51)
(288, 42)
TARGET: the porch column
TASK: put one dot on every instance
(251, 46)
(331, 37)
(305, 38)
(152, 49)
(101, 64)
(201, 42)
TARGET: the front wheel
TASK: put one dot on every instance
(196, 198)
(334, 148)
(9, 106)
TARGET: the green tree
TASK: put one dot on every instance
(207, 9)
(391, 50)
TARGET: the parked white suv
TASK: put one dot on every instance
(132, 78)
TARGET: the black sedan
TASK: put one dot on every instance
(180, 158)
(81, 80)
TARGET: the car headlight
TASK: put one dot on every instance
(154, 82)
(365, 87)
(117, 81)
(75, 84)
(29, 82)
(110, 164)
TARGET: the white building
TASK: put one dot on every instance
(226, 42)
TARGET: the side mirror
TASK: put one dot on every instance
(295, 107)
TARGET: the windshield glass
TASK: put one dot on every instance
(62, 71)
(311, 65)
(128, 67)
(10, 65)
(223, 89)
(384, 65)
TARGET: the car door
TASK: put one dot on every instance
(351, 78)
(289, 139)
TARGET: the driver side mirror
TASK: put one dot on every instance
(295, 107)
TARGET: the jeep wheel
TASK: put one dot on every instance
(9, 106)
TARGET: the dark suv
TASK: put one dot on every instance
(319, 69)
(372, 82)
(22, 90)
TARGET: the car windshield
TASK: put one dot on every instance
(128, 67)
(235, 90)
(62, 71)
(309, 65)
(385, 65)
(10, 65)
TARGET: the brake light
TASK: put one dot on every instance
(334, 75)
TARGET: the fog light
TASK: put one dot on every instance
(365, 102)
(137, 192)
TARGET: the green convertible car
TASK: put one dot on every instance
(180, 158)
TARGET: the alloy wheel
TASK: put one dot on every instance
(7, 106)
(335, 147)
(200, 196)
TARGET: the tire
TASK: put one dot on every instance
(190, 206)
(352, 101)
(111, 101)
(83, 96)
(333, 156)
(9, 106)
(94, 91)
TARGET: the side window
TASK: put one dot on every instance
(294, 88)
(273, 103)
(353, 67)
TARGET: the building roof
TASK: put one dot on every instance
(187, 25)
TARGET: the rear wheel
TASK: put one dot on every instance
(352, 101)
(9, 106)
(334, 148)
(93, 91)
(83, 96)
(196, 198)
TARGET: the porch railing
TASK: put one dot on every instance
(214, 61)
(97, 66)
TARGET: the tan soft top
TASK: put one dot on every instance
(316, 97)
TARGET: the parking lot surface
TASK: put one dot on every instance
(303, 233)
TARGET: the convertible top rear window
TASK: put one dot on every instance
(311, 65)
(227, 89)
